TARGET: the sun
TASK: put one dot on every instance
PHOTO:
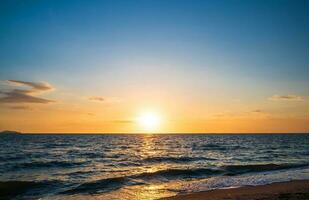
(149, 121)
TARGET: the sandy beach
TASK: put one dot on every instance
(296, 190)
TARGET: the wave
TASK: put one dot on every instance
(99, 186)
(209, 146)
(206, 172)
(55, 145)
(105, 185)
(179, 173)
(228, 170)
(92, 155)
(174, 159)
(109, 184)
(217, 147)
(241, 169)
(49, 164)
(11, 189)
(80, 173)
(11, 158)
(52, 164)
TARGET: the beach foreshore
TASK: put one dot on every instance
(292, 190)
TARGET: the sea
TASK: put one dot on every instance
(145, 166)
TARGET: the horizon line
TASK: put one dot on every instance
(168, 133)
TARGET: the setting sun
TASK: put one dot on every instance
(149, 121)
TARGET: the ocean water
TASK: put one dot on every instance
(144, 166)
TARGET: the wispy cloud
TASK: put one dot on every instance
(27, 95)
(286, 98)
(35, 86)
(257, 111)
(20, 107)
(106, 100)
(123, 121)
(96, 98)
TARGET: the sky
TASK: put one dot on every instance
(197, 66)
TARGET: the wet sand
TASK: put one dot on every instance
(293, 190)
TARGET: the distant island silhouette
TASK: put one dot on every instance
(8, 132)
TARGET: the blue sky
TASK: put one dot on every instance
(255, 37)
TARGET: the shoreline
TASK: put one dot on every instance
(296, 190)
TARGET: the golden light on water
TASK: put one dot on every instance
(149, 121)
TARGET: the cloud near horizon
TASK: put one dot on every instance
(286, 98)
(26, 95)
(96, 98)
(123, 121)
(242, 114)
